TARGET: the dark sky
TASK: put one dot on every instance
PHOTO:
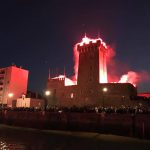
(41, 34)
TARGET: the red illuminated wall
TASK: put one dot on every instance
(16, 80)
(102, 65)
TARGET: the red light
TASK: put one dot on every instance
(106, 55)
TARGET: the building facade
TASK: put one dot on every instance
(29, 103)
(13, 83)
(92, 87)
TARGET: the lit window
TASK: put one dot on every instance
(71, 95)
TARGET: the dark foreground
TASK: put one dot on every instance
(15, 138)
(126, 124)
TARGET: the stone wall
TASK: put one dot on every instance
(121, 124)
(79, 95)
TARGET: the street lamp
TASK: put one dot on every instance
(47, 92)
(104, 90)
(10, 95)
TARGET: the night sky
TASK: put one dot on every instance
(39, 35)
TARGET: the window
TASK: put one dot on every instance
(71, 95)
(2, 71)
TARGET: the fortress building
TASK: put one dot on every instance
(92, 87)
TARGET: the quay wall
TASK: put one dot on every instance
(135, 125)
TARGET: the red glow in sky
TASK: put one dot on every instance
(76, 63)
(105, 58)
(131, 77)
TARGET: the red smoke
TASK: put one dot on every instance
(129, 77)
(113, 67)
(76, 63)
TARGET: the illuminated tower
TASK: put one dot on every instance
(102, 64)
(92, 88)
(92, 61)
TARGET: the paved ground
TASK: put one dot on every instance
(67, 140)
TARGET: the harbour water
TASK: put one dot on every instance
(14, 138)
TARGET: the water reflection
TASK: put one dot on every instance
(27, 139)
(10, 144)
(3, 145)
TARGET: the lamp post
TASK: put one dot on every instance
(104, 90)
(10, 95)
(47, 94)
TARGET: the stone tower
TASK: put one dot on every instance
(92, 62)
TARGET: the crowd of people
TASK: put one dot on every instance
(100, 109)
(86, 109)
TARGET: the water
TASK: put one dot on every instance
(29, 139)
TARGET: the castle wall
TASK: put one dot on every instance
(117, 94)
(92, 79)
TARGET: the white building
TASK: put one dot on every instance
(13, 83)
(30, 102)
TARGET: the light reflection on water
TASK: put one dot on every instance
(28, 139)
(11, 145)
(3, 145)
